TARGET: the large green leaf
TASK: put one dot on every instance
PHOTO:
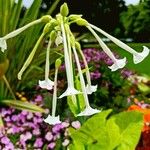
(23, 105)
(119, 132)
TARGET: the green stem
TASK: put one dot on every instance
(8, 86)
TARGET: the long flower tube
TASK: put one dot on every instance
(90, 88)
(70, 89)
(137, 56)
(88, 110)
(118, 63)
(47, 83)
(30, 57)
(3, 44)
(53, 119)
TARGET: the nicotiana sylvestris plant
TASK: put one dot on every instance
(57, 31)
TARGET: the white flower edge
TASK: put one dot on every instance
(138, 57)
(120, 63)
(52, 120)
(70, 91)
(91, 88)
(88, 111)
(3, 44)
(46, 84)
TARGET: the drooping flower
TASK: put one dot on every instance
(88, 110)
(118, 63)
(137, 56)
(52, 120)
(90, 88)
(47, 83)
(59, 39)
(70, 89)
(3, 44)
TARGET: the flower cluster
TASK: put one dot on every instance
(57, 31)
(27, 130)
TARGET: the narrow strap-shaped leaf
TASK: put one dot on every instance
(23, 105)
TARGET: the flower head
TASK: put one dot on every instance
(138, 57)
(119, 63)
(88, 111)
(52, 120)
(46, 84)
(91, 88)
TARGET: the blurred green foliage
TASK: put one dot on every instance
(136, 21)
(13, 16)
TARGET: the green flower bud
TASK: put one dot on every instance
(77, 45)
(46, 18)
(64, 10)
(53, 35)
(82, 22)
(72, 41)
(46, 28)
(74, 17)
(57, 63)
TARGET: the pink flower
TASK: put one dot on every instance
(76, 124)
(38, 143)
(48, 136)
(51, 145)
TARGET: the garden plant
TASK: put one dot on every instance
(96, 128)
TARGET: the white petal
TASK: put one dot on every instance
(46, 84)
(138, 57)
(88, 111)
(70, 91)
(58, 40)
(91, 88)
(3, 44)
(52, 120)
(120, 63)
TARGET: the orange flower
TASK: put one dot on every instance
(146, 117)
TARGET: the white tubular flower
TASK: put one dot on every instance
(47, 83)
(137, 56)
(118, 63)
(88, 110)
(70, 90)
(89, 88)
(3, 44)
(59, 39)
(52, 120)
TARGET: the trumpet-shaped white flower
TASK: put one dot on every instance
(3, 44)
(46, 84)
(137, 57)
(91, 88)
(88, 111)
(52, 120)
(118, 63)
(70, 91)
(58, 39)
